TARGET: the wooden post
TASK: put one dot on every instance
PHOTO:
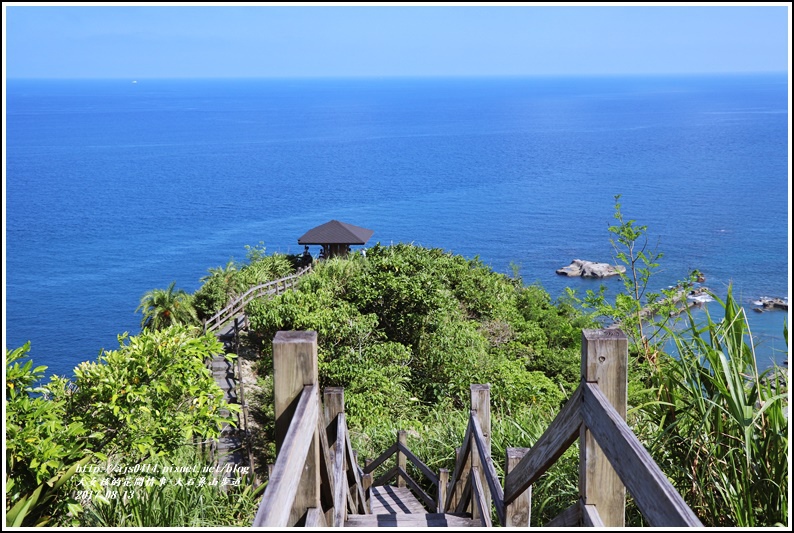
(366, 483)
(350, 470)
(481, 405)
(457, 490)
(443, 480)
(605, 362)
(401, 459)
(517, 513)
(333, 404)
(295, 366)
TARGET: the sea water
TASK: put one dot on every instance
(114, 188)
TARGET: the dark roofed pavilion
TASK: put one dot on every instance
(336, 237)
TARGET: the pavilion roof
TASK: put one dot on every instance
(335, 232)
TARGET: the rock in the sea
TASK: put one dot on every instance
(767, 304)
(589, 269)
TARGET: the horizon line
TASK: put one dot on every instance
(397, 76)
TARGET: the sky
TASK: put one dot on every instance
(144, 40)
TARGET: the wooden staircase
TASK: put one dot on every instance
(229, 448)
(397, 507)
(318, 482)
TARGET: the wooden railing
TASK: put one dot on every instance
(314, 484)
(611, 458)
(237, 306)
(400, 471)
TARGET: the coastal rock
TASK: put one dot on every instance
(768, 304)
(590, 269)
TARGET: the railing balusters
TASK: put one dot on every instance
(238, 304)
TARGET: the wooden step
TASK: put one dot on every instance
(386, 499)
(221, 365)
(411, 520)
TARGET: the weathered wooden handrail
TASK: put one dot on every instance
(611, 457)
(429, 474)
(368, 469)
(282, 489)
(347, 488)
(479, 497)
(559, 436)
(293, 488)
(460, 473)
(354, 480)
(491, 477)
(312, 483)
(656, 498)
(475, 455)
(237, 306)
(604, 436)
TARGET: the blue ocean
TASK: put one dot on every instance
(113, 188)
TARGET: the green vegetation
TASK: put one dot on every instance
(721, 427)
(186, 500)
(642, 314)
(150, 396)
(144, 400)
(42, 448)
(405, 330)
(222, 284)
(164, 308)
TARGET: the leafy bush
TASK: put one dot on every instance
(43, 449)
(411, 324)
(151, 395)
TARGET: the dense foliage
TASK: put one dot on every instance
(146, 399)
(721, 425)
(151, 395)
(42, 446)
(405, 329)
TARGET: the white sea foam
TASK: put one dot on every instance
(700, 298)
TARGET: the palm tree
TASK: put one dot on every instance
(227, 277)
(163, 308)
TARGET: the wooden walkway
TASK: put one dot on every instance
(398, 507)
(230, 450)
(226, 324)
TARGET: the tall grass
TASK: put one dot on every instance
(722, 427)
(176, 504)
